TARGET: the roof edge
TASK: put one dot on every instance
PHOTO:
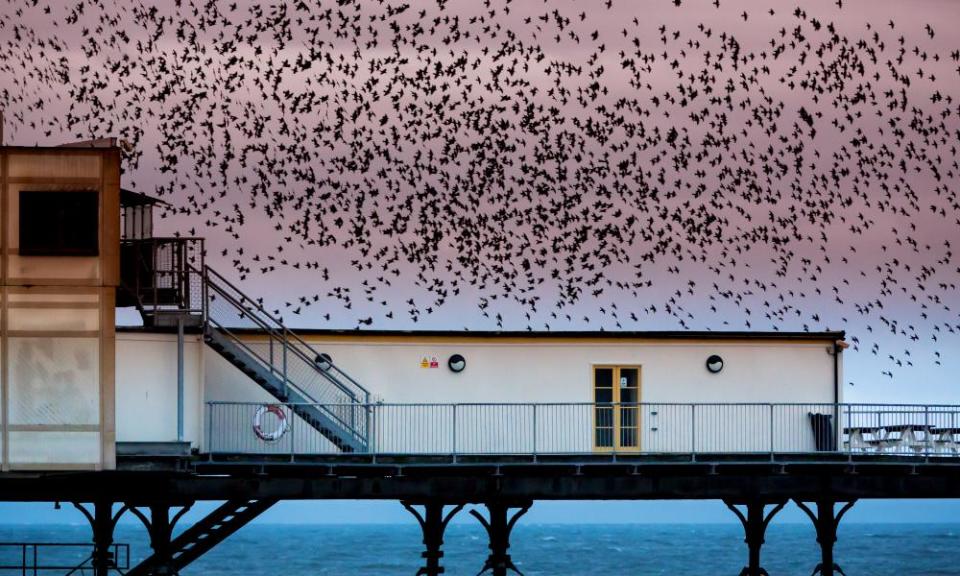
(830, 335)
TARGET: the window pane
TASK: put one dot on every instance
(604, 395)
(628, 378)
(628, 437)
(628, 395)
(603, 377)
(59, 223)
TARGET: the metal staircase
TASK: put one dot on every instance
(200, 538)
(319, 392)
(168, 282)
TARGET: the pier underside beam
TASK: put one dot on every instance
(433, 524)
(755, 524)
(826, 521)
(498, 528)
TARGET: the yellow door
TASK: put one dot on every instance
(616, 411)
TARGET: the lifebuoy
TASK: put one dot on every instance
(281, 429)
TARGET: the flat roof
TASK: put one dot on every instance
(585, 334)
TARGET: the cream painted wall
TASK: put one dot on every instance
(513, 371)
(146, 388)
(543, 371)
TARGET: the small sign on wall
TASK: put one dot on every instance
(429, 362)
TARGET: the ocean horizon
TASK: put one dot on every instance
(868, 549)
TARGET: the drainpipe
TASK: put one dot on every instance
(838, 347)
(180, 378)
(836, 372)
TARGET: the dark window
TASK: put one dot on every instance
(62, 223)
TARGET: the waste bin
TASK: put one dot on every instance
(823, 436)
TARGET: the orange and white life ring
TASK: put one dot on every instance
(281, 428)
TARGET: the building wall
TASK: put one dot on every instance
(147, 387)
(556, 370)
(57, 319)
(550, 370)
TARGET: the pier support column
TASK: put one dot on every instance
(160, 529)
(754, 529)
(498, 530)
(102, 521)
(433, 524)
(826, 522)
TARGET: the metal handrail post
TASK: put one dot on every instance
(293, 435)
(210, 430)
(366, 424)
(926, 432)
(453, 447)
(534, 431)
(372, 428)
(771, 433)
(284, 360)
(849, 432)
(206, 296)
(693, 431)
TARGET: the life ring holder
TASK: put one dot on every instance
(281, 429)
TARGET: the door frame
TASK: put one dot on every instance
(617, 447)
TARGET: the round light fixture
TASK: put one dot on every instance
(457, 363)
(714, 364)
(323, 361)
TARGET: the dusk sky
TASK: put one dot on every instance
(561, 165)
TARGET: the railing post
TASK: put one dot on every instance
(203, 294)
(293, 435)
(285, 346)
(371, 427)
(771, 433)
(926, 431)
(534, 431)
(453, 447)
(849, 432)
(693, 431)
(210, 429)
(367, 422)
(615, 432)
(272, 365)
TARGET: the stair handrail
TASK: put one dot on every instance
(286, 333)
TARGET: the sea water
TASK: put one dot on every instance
(543, 549)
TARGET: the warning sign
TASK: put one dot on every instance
(429, 362)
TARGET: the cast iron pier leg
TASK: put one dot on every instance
(161, 531)
(433, 524)
(160, 528)
(498, 529)
(754, 529)
(826, 523)
(102, 521)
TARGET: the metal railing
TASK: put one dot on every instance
(162, 273)
(587, 428)
(35, 558)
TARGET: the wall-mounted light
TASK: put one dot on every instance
(714, 364)
(457, 363)
(323, 361)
